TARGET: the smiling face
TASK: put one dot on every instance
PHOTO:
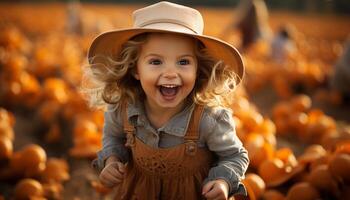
(166, 69)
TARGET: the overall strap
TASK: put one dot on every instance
(192, 133)
(128, 128)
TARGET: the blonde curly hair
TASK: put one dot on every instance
(110, 80)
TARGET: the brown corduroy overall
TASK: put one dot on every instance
(165, 173)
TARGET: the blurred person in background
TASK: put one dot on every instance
(74, 22)
(252, 22)
(340, 80)
(283, 44)
(84, 22)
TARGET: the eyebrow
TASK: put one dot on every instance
(157, 55)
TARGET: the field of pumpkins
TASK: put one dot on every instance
(295, 128)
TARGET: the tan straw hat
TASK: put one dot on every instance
(166, 17)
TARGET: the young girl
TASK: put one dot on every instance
(167, 133)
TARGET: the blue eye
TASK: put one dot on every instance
(184, 62)
(155, 62)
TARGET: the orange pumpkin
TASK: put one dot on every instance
(7, 117)
(100, 188)
(255, 186)
(321, 178)
(339, 167)
(272, 195)
(6, 148)
(267, 126)
(311, 154)
(258, 149)
(54, 133)
(274, 172)
(343, 146)
(302, 191)
(33, 160)
(56, 90)
(53, 190)
(48, 111)
(301, 103)
(28, 188)
(6, 131)
(56, 170)
(298, 122)
(281, 110)
(287, 156)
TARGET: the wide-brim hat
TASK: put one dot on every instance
(166, 17)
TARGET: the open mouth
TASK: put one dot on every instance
(169, 90)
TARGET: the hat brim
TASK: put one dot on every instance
(110, 43)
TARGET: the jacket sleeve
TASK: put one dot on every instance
(113, 139)
(232, 158)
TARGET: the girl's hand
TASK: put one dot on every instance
(113, 173)
(217, 189)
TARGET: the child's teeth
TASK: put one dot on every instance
(169, 86)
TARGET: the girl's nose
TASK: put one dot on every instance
(170, 74)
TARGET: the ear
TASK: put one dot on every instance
(135, 74)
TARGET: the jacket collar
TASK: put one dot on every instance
(176, 126)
